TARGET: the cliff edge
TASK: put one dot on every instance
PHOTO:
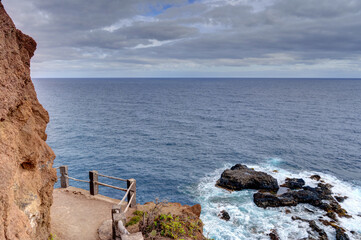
(26, 174)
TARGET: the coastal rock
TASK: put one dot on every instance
(341, 235)
(315, 228)
(224, 215)
(266, 199)
(303, 196)
(293, 183)
(274, 235)
(241, 177)
(195, 210)
(26, 173)
(340, 199)
(320, 196)
(315, 177)
(323, 191)
(322, 234)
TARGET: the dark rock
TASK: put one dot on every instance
(294, 218)
(305, 196)
(294, 183)
(224, 215)
(287, 211)
(274, 235)
(332, 224)
(288, 201)
(331, 215)
(317, 229)
(341, 235)
(323, 191)
(341, 199)
(325, 206)
(315, 177)
(309, 210)
(322, 234)
(239, 167)
(241, 177)
(336, 207)
(265, 199)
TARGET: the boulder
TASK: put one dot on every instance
(294, 183)
(341, 235)
(309, 195)
(304, 196)
(224, 215)
(266, 199)
(315, 177)
(274, 235)
(241, 177)
(341, 199)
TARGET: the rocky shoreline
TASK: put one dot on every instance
(292, 192)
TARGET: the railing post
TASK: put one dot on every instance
(117, 215)
(94, 187)
(64, 180)
(132, 192)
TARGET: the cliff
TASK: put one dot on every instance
(26, 173)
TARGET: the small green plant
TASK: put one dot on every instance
(52, 237)
(174, 227)
(138, 213)
(155, 224)
(134, 220)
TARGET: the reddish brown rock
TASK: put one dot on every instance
(26, 173)
(195, 209)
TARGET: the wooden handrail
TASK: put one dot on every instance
(117, 213)
(126, 194)
(106, 185)
(130, 191)
(130, 201)
(78, 180)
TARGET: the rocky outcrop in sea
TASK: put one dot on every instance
(241, 177)
(291, 193)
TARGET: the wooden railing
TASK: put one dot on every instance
(118, 210)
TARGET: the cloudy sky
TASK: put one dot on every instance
(192, 38)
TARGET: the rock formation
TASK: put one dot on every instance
(241, 177)
(26, 174)
(294, 183)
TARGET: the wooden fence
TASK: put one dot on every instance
(118, 210)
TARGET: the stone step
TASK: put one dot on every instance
(133, 236)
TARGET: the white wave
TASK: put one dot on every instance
(251, 222)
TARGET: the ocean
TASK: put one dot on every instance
(176, 136)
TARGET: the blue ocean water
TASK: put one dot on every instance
(175, 136)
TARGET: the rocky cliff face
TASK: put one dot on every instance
(26, 173)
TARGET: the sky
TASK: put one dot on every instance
(192, 38)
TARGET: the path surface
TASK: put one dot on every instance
(76, 215)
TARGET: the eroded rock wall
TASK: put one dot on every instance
(26, 173)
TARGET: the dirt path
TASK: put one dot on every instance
(76, 215)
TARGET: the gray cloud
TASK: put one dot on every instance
(157, 37)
